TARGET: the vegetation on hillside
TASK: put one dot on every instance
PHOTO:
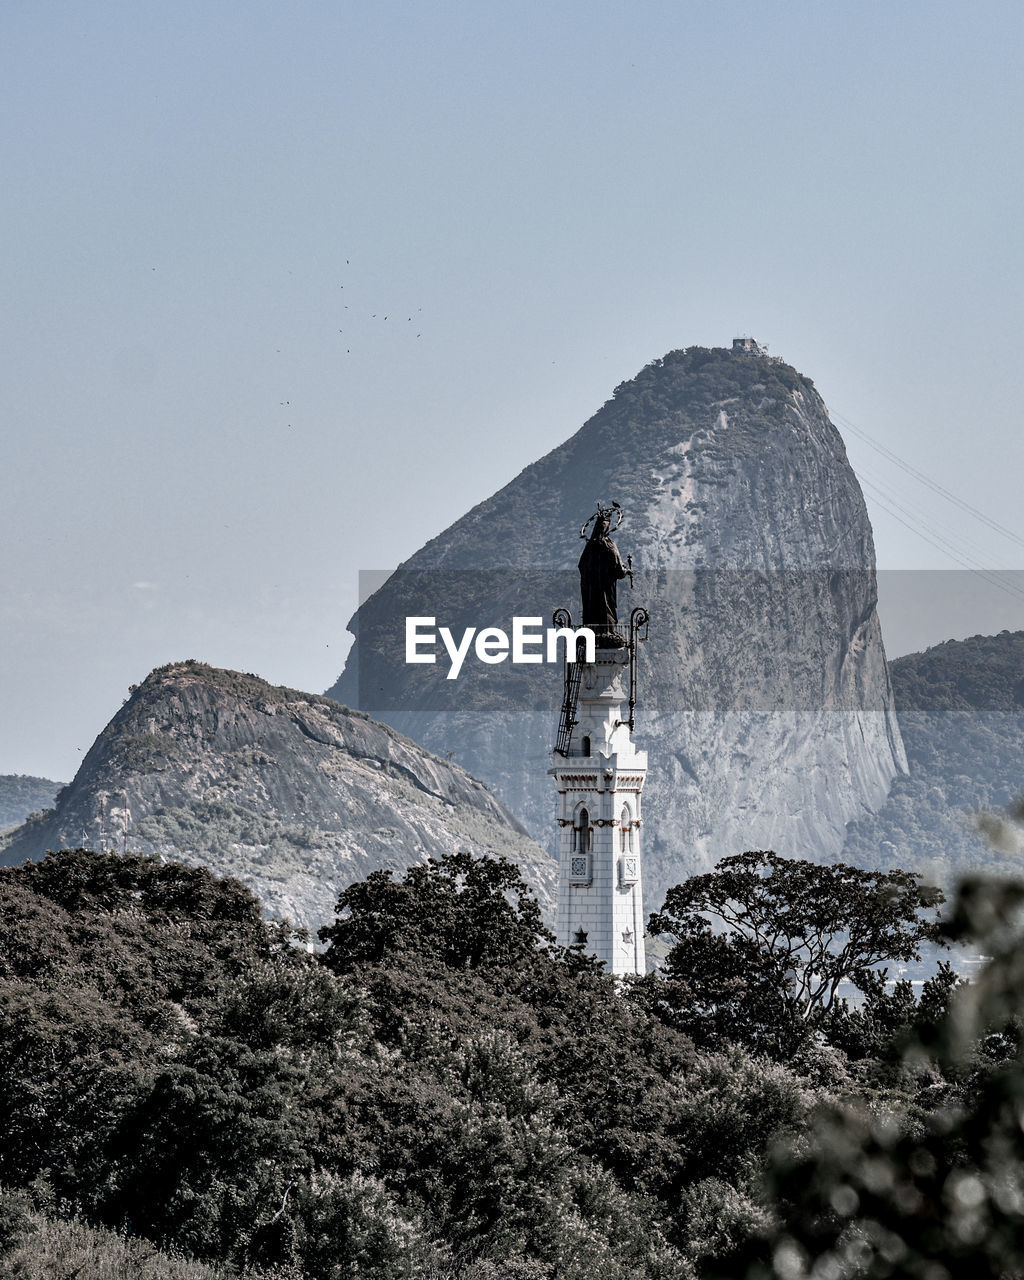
(21, 795)
(983, 673)
(707, 375)
(961, 714)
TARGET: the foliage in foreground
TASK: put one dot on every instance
(35, 1247)
(463, 1105)
(875, 1193)
(444, 1094)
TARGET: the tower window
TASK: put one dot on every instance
(586, 745)
(579, 850)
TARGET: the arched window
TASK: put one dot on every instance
(586, 745)
(580, 871)
(626, 830)
(584, 844)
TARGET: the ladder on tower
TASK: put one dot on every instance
(567, 721)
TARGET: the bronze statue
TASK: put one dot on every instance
(601, 568)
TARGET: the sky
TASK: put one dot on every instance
(288, 289)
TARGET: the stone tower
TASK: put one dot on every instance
(600, 774)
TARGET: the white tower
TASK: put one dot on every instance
(600, 779)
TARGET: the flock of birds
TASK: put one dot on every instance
(348, 350)
(373, 316)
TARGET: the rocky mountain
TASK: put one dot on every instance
(764, 695)
(22, 794)
(287, 791)
(961, 711)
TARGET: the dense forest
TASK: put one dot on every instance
(440, 1092)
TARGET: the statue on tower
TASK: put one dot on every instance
(601, 568)
(599, 774)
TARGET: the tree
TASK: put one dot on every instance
(789, 933)
(464, 911)
(877, 1031)
(880, 1196)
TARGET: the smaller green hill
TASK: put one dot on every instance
(961, 713)
(21, 795)
(983, 673)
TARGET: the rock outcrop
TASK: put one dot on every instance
(765, 700)
(287, 791)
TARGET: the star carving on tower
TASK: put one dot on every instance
(627, 937)
(580, 938)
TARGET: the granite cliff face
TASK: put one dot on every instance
(765, 700)
(287, 791)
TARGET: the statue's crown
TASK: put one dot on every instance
(607, 513)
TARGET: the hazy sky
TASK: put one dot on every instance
(287, 289)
